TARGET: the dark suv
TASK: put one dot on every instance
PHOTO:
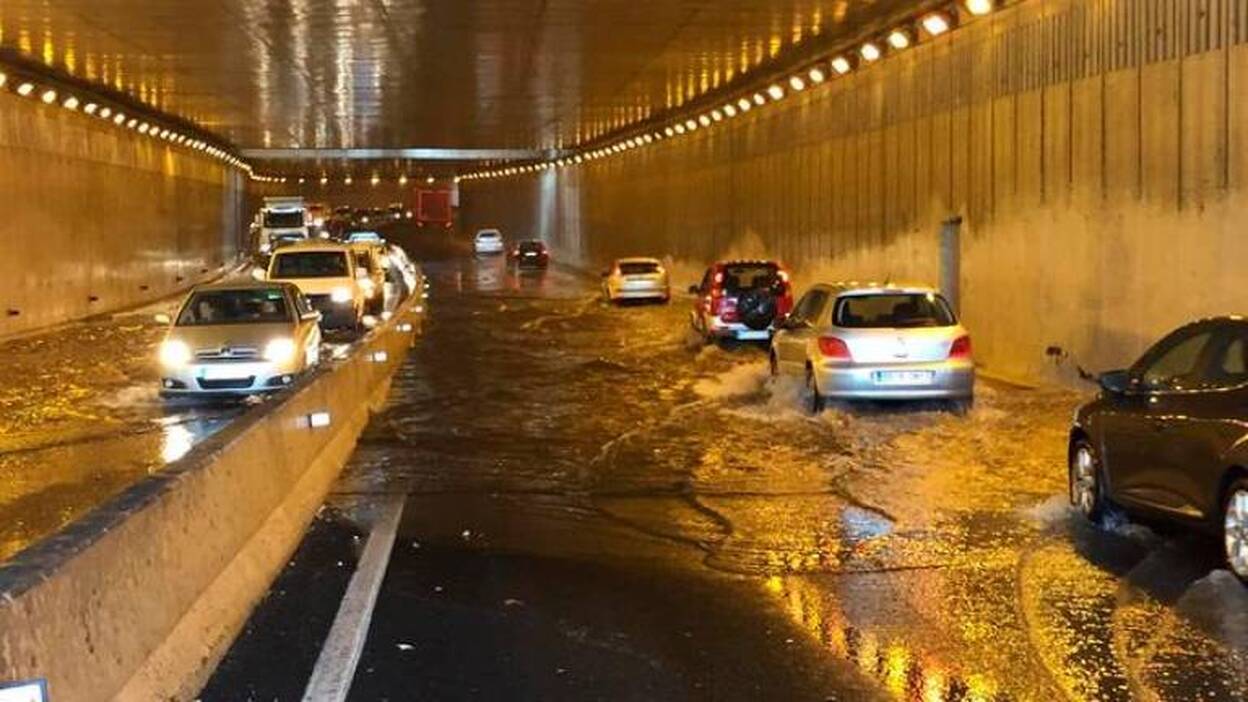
(741, 300)
(1168, 437)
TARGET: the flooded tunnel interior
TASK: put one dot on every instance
(788, 373)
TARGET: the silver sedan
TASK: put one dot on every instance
(876, 343)
(636, 279)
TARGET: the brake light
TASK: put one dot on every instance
(834, 348)
(961, 348)
(724, 307)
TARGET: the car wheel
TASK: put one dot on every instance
(1087, 490)
(816, 401)
(1235, 528)
(962, 406)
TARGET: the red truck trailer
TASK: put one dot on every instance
(433, 208)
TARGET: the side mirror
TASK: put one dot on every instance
(695, 289)
(163, 318)
(258, 273)
(1116, 382)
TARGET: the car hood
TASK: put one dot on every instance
(231, 335)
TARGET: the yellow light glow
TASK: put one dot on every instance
(403, 179)
(760, 99)
(979, 7)
(744, 104)
(90, 108)
(816, 75)
(936, 24)
(25, 89)
(680, 129)
(71, 103)
(840, 64)
(4, 78)
(730, 111)
(48, 97)
(776, 92)
(870, 52)
(690, 125)
(704, 121)
(899, 39)
(717, 115)
(797, 83)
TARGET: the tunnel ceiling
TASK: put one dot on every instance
(444, 73)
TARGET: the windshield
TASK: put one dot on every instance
(749, 276)
(260, 306)
(280, 219)
(532, 246)
(488, 235)
(893, 310)
(636, 268)
(310, 264)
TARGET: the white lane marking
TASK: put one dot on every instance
(335, 666)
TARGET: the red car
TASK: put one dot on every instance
(741, 300)
(530, 253)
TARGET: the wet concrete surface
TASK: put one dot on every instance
(81, 419)
(599, 507)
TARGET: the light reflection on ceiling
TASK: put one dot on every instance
(393, 73)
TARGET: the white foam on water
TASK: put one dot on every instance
(1051, 512)
(133, 396)
(739, 381)
(1219, 603)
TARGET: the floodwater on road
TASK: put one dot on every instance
(601, 507)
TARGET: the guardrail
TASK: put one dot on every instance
(140, 599)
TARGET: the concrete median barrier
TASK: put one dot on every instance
(139, 600)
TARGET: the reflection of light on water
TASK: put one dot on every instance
(906, 673)
(176, 440)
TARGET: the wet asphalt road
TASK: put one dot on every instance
(601, 508)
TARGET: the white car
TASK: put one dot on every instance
(636, 279)
(328, 275)
(488, 241)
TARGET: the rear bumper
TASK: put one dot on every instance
(488, 248)
(736, 331)
(948, 380)
(651, 292)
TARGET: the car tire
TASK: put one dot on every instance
(962, 406)
(816, 402)
(1085, 481)
(1234, 528)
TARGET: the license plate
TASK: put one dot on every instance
(753, 335)
(904, 377)
(226, 372)
(530, 254)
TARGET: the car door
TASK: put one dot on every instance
(1143, 426)
(798, 329)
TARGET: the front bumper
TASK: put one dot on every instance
(949, 380)
(226, 378)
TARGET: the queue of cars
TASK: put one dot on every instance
(250, 337)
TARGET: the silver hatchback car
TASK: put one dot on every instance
(872, 342)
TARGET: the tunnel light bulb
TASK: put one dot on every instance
(669, 131)
(797, 83)
(133, 123)
(119, 119)
(979, 7)
(817, 75)
(679, 129)
(143, 128)
(647, 138)
(164, 134)
(776, 92)
(324, 180)
(71, 103)
(899, 39)
(760, 99)
(730, 111)
(936, 23)
(374, 180)
(403, 179)
(347, 180)
(429, 180)
(704, 120)
(840, 64)
(869, 51)
(25, 89)
(4, 79)
(48, 97)
(717, 115)
(105, 112)
(744, 104)
(90, 108)
(691, 125)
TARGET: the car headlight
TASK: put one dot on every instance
(279, 350)
(174, 353)
(340, 294)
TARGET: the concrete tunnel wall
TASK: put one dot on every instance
(1097, 151)
(93, 211)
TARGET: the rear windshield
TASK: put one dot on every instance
(893, 310)
(643, 268)
(527, 246)
(750, 276)
(275, 220)
(488, 235)
(310, 264)
(261, 306)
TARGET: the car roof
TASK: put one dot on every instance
(748, 262)
(487, 231)
(242, 285)
(637, 259)
(311, 246)
(854, 287)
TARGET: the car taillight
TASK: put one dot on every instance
(834, 348)
(724, 307)
(961, 348)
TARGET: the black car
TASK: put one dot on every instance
(1168, 437)
(530, 253)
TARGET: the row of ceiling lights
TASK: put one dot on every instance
(932, 24)
(118, 117)
(375, 180)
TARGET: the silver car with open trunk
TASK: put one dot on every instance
(876, 342)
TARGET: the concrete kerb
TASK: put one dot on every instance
(140, 599)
